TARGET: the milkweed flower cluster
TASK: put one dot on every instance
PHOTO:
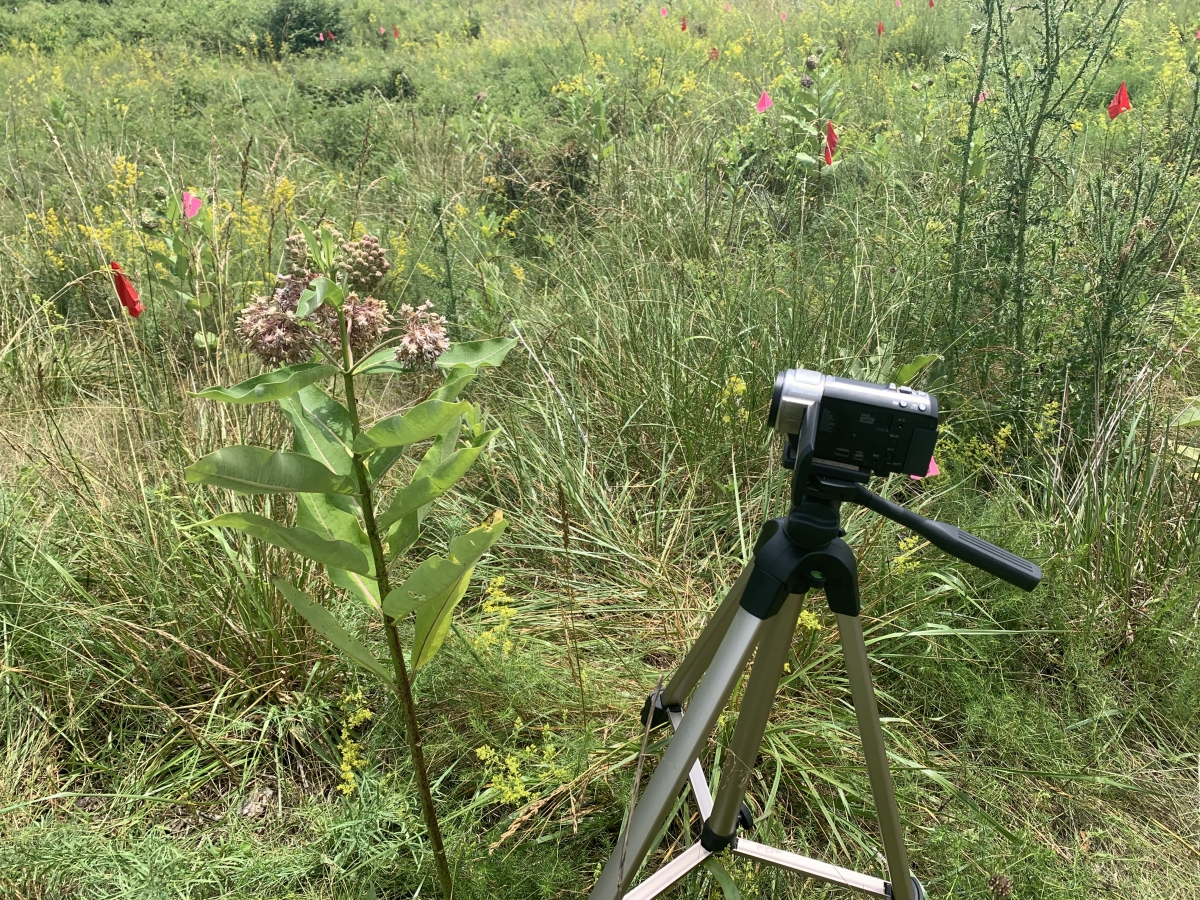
(424, 338)
(273, 330)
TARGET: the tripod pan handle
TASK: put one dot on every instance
(962, 544)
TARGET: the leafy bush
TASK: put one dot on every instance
(295, 24)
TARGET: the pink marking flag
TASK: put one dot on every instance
(933, 471)
(191, 204)
(764, 102)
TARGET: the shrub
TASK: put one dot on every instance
(295, 24)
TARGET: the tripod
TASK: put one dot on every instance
(792, 555)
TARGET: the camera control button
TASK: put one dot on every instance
(905, 389)
(922, 407)
(904, 403)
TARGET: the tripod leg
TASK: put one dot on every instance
(755, 710)
(854, 649)
(705, 648)
(661, 792)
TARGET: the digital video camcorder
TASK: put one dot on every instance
(861, 429)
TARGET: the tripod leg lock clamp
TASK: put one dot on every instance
(783, 567)
(715, 843)
(918, 892)
(654, 711)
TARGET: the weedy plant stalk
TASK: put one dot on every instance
(338, 463)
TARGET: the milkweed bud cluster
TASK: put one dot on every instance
(365, 263)
(297, 253)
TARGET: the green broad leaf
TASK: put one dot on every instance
(270, 385)
(382, 361)
(323, 291)
(338, 554)
(334, 517)
(257, 470)
(723, 878)
(379, 463)
(321, 428)
(423, 421)
(1190, 417)
(906, 373)
(439, 583)
(476, 353)
(456, 379)
(403, 534)
(329, 628)
(428, 488)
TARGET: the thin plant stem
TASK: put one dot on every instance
(412, 732)
(965, 176)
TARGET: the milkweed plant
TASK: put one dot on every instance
(325, 338)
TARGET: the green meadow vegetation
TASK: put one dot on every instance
(592, 186)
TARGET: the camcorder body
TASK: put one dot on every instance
(860, 429)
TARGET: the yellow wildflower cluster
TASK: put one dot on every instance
(125, 175)
(357, 713)
(512, 774)
(731, 401)
(809, 622)
(903, 561)
(499, 604)
(518, 271)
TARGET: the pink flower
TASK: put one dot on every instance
(663, 12)
(931, 4)
(897, 4)
(381, 30)
(191, 204)
(783, 17)
(321, 36)
(933, 471)
(764, 102)
(983, 95)
(1197, 33)
(333, 38)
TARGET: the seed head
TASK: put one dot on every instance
(1000, 886)
(806, 80)
(424, 337)
(811, 63)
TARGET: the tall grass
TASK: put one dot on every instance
(152, 682)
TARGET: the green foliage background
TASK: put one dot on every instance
(587, 178)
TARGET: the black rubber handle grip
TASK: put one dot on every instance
(961, 544)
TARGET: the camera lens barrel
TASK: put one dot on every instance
(795, 391)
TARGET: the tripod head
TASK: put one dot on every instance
(838, 433)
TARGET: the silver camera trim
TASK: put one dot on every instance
(801, 389)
